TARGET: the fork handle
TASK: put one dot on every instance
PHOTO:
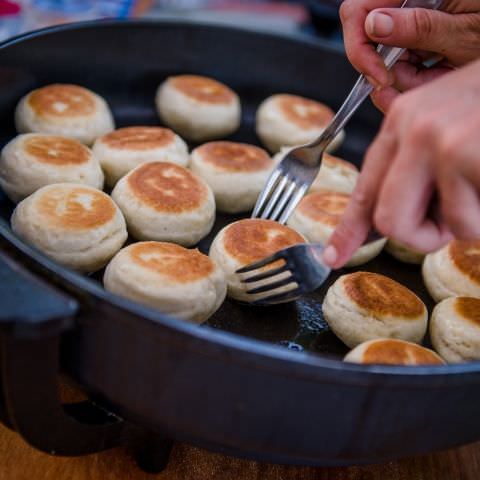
(361, 90)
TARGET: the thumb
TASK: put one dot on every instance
(415, 28)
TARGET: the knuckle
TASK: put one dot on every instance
(450, 147)
(455, 221)
(361, 198)
(469, 27)
(392, 225)
(422, 23)
(398, 109)
(450, 213)
(343, 233)
(347, 10)
(458, 222)
(390, 123)
(426, 126)
(383, 222)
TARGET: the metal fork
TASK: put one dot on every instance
(288, 274)
(302, 271)
(293, 176)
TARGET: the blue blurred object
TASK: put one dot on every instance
(64, 7)
(98, 8)
(114, 8)
(11, 19)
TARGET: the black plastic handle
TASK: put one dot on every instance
(33, 315)
(30, 307)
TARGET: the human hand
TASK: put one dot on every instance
(428, 144)
(452, 34)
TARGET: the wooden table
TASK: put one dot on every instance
(18, 461)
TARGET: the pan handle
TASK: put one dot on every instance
(33, 316)
(30, 307)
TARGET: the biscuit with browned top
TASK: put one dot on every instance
(31, 161)
(335, 175)
(66, 110)
(245, 242)
(455, 329)
(76, 225)
(236, 172)
(289, 120)
(165, 202)
(404, 253)
(122, 150)
(392, 352)
(198, 108)
(363, 306)
(178, 281)
(453, 270)
(318, 214)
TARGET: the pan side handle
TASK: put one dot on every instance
(33, 316)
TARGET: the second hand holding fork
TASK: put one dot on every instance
(293, 176)
(295, 271)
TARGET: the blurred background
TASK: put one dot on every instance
(316, 17)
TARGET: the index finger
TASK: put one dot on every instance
(358, 218)
(360, 50)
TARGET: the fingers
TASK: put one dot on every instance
(460, 207)
(404, 199)
(458, 178)
(423, 29)
(384, 98)
(357, 220)
(407, 76)
(359, 48)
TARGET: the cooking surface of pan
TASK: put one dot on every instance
(273, 402)
(299, 325)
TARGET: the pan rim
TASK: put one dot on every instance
(302, 364)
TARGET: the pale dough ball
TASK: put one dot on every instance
(290, 120)
(198, 108)
(32, 160)
(245, 242)
(388, 351)
(318, 214)
(236, 173)
(453, 270)
(364, 306)
(178, 281)
(121, 151)
(335, 174)
(165, 202)
(404, 253)
(455, 329)
(76, 225)
(65, 110)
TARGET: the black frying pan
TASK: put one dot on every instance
(278, 390)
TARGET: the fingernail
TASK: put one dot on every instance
(330, 255)
(379, 24)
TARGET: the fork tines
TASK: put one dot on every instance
(280, 196)
(271, 282)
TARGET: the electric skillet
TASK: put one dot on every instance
(268, 383)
